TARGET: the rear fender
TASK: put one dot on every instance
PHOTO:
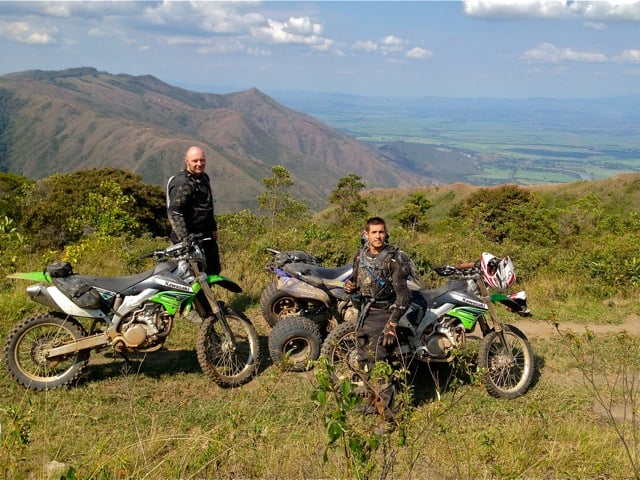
(299, 289)
(33, 276)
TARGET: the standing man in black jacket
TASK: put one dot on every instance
(190, 206)
(380, 274)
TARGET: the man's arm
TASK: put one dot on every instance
(400, 271)
(351, 285)
(178, 200)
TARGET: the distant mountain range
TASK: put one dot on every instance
(82, 118)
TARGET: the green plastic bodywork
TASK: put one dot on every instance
(467, 315)
(33, 276)
(173, 301)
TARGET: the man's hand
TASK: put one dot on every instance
(350, 286)
(390, 337)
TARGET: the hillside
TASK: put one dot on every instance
(76, 119)
(575, 247)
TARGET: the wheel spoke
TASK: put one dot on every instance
(31, 348)
(229, 360)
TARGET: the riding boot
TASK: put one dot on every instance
(384, 402)
(367, 407)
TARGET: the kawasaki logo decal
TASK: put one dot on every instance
(175, 286)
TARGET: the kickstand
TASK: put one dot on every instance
(126, 359)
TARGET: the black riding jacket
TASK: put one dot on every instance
(392, 267)
(190, 204)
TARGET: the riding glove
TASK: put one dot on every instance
(390, 337)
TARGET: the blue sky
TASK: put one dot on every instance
(474, 48)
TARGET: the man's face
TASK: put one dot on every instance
(376, 236)
(195, 161)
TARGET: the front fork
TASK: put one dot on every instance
(497, 323)
(215, 307)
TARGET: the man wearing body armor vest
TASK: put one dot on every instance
(380, 273)
(190, 206)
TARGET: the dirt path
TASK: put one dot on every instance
(543, 329)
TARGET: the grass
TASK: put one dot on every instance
(159, 417)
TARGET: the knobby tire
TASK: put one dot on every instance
(25, 346)
(228, 365)
(294, 342)
(503, 377)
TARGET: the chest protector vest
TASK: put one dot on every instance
(372, 277)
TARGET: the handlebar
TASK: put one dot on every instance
(451, 270)
(178, 250)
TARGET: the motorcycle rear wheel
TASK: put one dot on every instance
(26, 344)
(503, 377)
(276, 304)
(294, 342)
(229, 363)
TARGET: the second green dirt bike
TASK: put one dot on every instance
(439, 321)
(129, 314)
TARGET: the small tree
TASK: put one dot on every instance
(277, 200)
(412, 215)
(351, 205)
(105, 212)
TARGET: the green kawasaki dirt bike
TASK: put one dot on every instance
(129, 314)
(440, 320)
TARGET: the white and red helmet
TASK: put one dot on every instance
(498, 273)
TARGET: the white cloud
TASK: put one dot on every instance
(25, 32)
(418, 53)
(296, 31)
(549, 53)
(613, 10)
(392, 44)
(628, 56)
(304, 26)
(368, 46)
(515, 8)
(595, 11)
(596, 25)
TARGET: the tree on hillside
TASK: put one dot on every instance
(277, 200)
(412, 215)
(49, 204)
(10, 190)
(493, 210)
(346, 196)
(105, 213)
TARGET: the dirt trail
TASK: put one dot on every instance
(543, 329)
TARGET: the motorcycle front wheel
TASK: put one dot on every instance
(229, 357)
(27, 344)
(507, 372)
(341, 350)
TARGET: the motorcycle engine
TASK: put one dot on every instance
(143, 328)
(350, 313)
(442, 338)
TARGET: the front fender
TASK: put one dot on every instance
(224, 282)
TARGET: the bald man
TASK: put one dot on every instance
(190, 206)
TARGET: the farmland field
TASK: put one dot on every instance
(521, 141)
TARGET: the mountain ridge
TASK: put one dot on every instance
(81, 118)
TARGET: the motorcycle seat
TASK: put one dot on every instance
(118, 284)
(428, 297)
(316, 275)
